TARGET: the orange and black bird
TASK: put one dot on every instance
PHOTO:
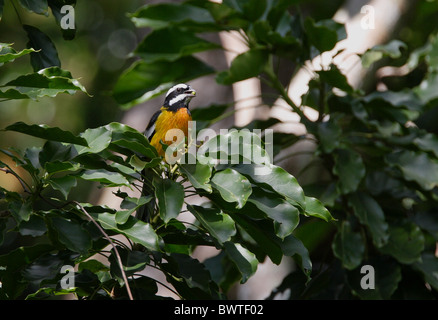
(174, 114)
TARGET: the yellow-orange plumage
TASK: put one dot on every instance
(168, 120)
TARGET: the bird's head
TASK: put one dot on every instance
(179, 96)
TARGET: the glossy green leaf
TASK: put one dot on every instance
(244, 259)
(130, 139)
(105, 177)
(144, 81)
(348, 246)
(324, 34)
(35, 226)
(167, 14)
(293, 247)
(405, 243)
(198, 175)
(428, 266)
(315, 208)
(232, 186)
(170, 195)
(246, 65)
(350, 169)
(20, 211)
(8, 54)
(71, 234)
(275, 178)
(136, 230)
(370, 214)
(263, 235)
(392, 49)
(97, 140)
(46, 82)
(416, 167)
(335, 78)
(37, 6)
(46, 132)
(284, 214)
(220, 226)
(63, 184)
(46, 54)
(179, 43)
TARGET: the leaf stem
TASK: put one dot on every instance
(119, 260)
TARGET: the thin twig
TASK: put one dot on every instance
(26, 188)
(119, 260)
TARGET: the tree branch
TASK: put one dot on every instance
(119, 260)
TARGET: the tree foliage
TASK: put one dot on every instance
(375, 205)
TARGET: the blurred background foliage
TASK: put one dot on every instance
(99, 54)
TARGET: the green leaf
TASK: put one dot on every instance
(428, 266)
(35, 226)
(130, 139)
(315, 208)
(324, 34)
(405, 242)
(293, 247)
(170, 195)
(133, 261)
(167, 14)
(71, 234)
(232, 186)
(46, 54)
(237, 146)
(416, 166)
(284, 214)
(45, 132)
(335, 78)
(8, 54)
(36, 6)
(348, 246)
(136, 230)
(179, 43)
(198, 175)
(244, 259)
(46, 82)
(144, 81)
(63, 184)
(105, 177)
(350, 169)
(275, 178)
(261, 231)
(97, 140)
(246, 65)
(370, 214)
(427, 142)
(376, 53)
(20, 211)
(220, 225)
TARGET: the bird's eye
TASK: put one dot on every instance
(179, 90)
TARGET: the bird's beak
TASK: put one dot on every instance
(192, 92)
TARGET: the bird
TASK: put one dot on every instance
(173, 114)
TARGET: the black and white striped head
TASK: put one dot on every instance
(179, 96)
